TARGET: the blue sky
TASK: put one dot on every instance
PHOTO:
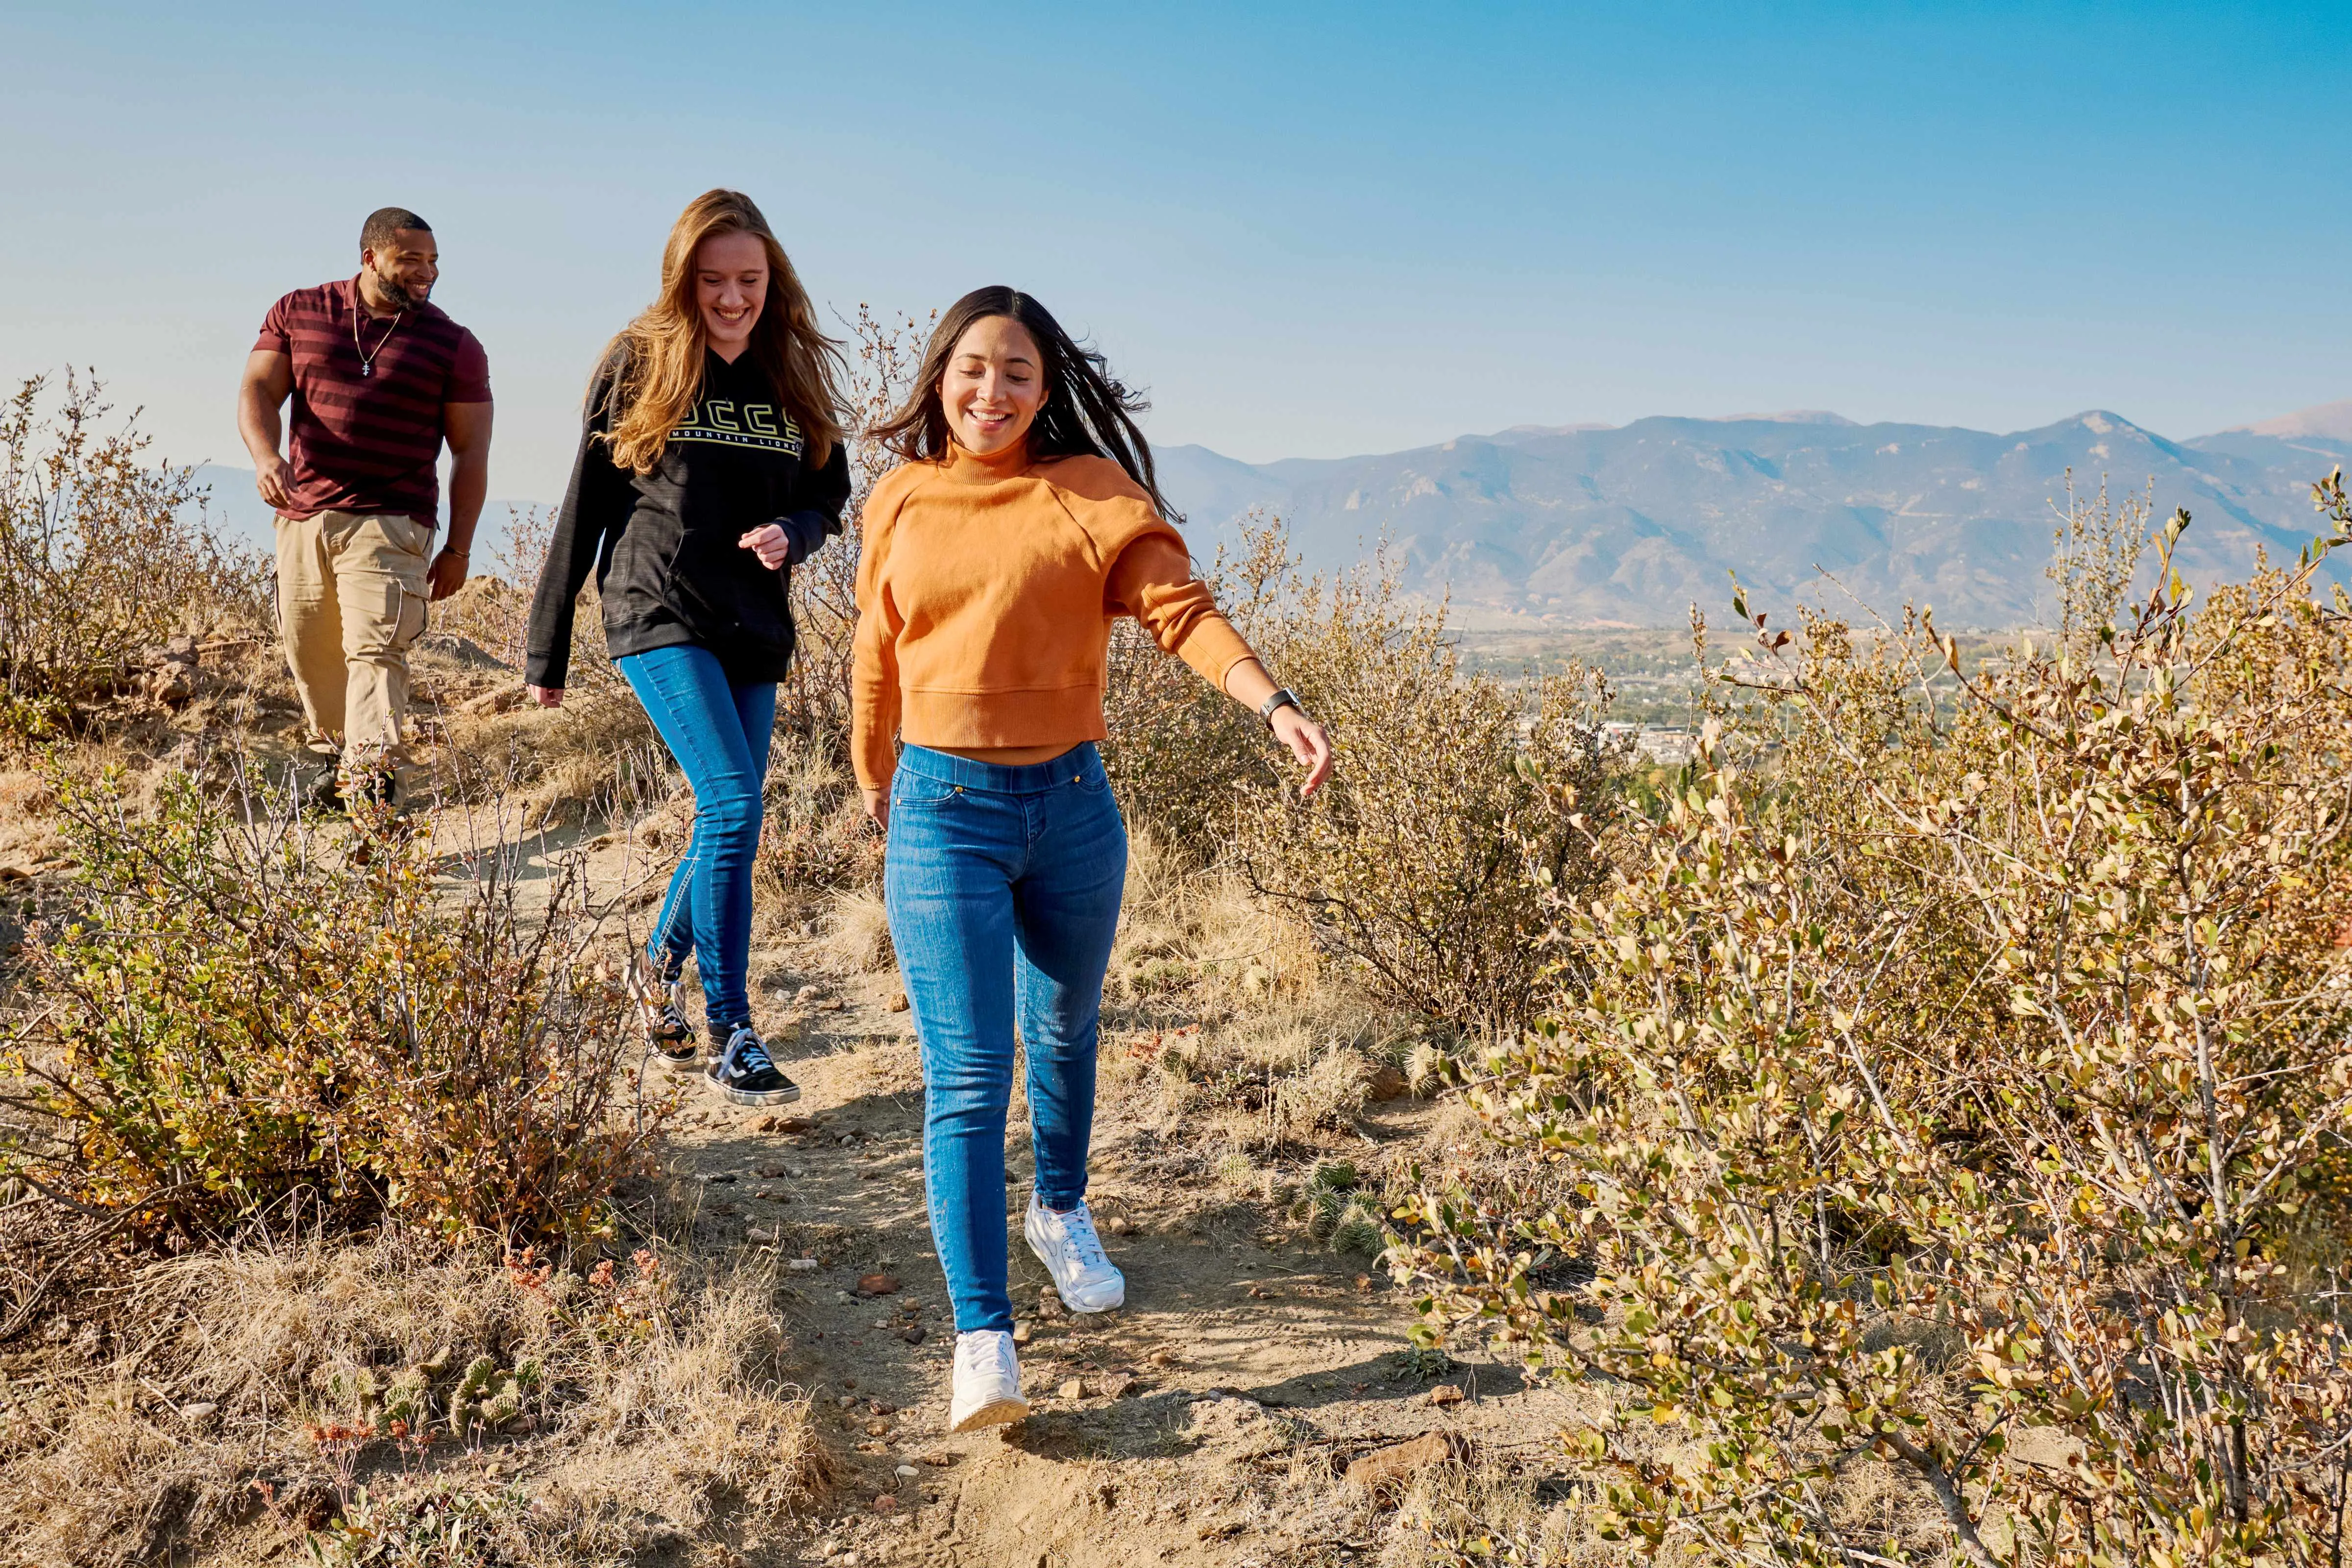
(1310, 230)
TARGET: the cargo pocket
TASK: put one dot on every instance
(415, 610)
(407, 562)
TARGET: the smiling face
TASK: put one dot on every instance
(404, 268)
(994, 384)
(731, 286)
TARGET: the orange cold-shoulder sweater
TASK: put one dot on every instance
(985, 596)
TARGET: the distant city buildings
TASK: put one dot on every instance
(1665, 744)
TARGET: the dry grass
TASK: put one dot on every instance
(1271, 1081)
(660, 1411)
(1200, 938)
(593, 757)
(817, 836)
(1247, 1060)
(855, 933)
(1450, 1505)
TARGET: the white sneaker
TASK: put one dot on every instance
(1073, 1254)
(987, 1382)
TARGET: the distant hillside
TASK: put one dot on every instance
(2330, 421)
(1628, 526)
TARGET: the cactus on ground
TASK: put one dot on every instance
(479, 1374)
(407, 1397)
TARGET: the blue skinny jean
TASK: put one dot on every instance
(718, 731)
(1002, 885)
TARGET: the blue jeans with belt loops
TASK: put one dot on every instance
(718, 731)
(1002, 885)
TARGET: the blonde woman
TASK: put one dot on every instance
(711, 463)
(1026, 518)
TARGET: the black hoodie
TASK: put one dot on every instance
(665, 545)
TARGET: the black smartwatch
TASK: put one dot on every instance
(1282, 697)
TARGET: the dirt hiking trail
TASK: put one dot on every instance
(1210, 1421)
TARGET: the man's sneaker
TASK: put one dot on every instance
(322, 791)
(744, 1073)
(661, 1011)
(987, 1384)
(1073, 1254)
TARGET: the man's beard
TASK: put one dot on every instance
(401, 296)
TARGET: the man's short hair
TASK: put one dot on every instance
(385, 222)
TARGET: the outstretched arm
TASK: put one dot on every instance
(1152, 581)
(1249, 684)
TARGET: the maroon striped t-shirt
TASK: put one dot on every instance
(369, 442)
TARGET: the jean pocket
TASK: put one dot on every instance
(917, 791)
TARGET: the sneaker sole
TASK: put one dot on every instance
(1039, 1254)
(680, 1065)
(758, 1096)
(995, 1413)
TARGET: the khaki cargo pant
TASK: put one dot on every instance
(352, 596)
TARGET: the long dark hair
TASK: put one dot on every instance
(1088, 411)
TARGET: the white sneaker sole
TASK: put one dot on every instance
(1040, 1251)
(785, 1096)
(995, 1413)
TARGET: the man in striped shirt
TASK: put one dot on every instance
(379, 379)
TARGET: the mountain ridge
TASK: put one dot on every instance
(1629, 525)
(2332, 420)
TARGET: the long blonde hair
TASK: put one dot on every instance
(657, 359)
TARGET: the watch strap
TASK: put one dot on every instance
(1280, 698)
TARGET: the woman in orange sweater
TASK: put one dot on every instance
(1025, 519)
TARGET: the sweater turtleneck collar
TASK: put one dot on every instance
(970, 467)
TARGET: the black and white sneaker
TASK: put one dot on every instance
(744, 1073)
(661, 1012)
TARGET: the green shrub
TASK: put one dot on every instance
(1424, 864)
(246, 1008)
(1961, 1112)
(1427, 860)
(1338, 1211)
